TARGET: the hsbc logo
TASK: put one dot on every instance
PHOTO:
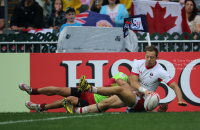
(97, 74)
(183, 83)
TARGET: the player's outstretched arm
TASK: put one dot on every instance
(134, 84)
(178, 93)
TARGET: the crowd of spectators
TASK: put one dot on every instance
(56, 17)
(28, 14)
(33, 14)
(191, 15)
(70, 15)
(115, 10)
(46, 5)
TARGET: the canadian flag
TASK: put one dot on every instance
(162, 16)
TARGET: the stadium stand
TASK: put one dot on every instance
(16, 42)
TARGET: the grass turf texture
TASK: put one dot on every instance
(100, 121)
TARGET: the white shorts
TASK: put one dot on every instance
(138, 106)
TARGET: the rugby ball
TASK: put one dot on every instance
(151, 101)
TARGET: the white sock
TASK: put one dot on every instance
(92, 89)
(81, 110)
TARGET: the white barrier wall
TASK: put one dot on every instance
(92, 39)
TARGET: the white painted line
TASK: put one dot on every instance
(48, 119)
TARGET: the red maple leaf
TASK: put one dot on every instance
(158, 23)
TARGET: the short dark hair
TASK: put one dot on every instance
(152, 48)
(70, 9)
(105, 2)
(194, 11)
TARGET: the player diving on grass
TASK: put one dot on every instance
(145, 78)
(73, 95)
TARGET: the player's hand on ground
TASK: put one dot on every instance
(163, 108)
(182, 104)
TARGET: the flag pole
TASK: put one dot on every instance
(148, 37)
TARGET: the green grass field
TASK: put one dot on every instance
(100, 121)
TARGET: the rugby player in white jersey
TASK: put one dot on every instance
(145, 78)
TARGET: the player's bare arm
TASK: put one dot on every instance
(134, 83)
(178, 93)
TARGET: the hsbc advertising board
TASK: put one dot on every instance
(65, 69)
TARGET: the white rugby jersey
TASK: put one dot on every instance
(150, 78)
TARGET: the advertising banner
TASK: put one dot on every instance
(65, 69)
